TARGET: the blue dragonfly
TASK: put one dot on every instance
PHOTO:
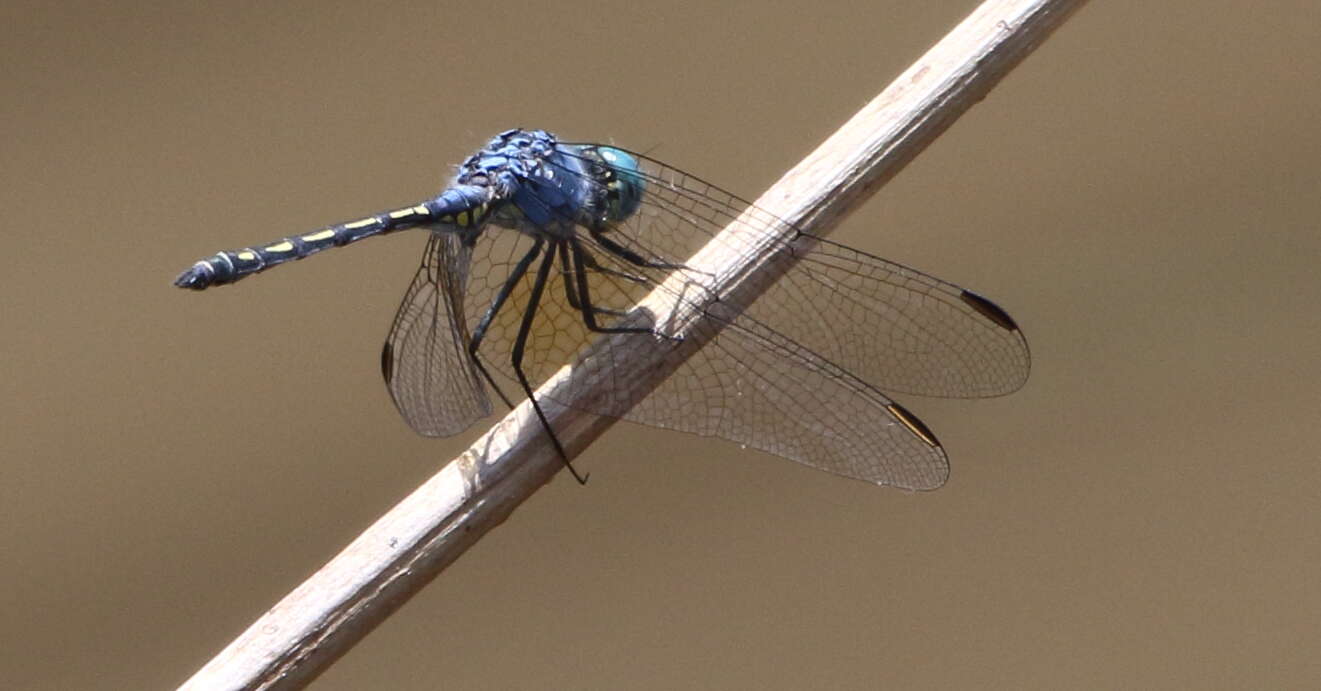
(538, 247)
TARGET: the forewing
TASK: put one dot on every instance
(895, 327)
(425, 361)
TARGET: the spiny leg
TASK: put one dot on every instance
(570, 293)
(479, 333)
(585, 295)
(589, 260)
(636, 259)
(629, 255)
(516, 355)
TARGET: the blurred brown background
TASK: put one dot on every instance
(1141, 194)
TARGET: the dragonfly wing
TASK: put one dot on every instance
(796, 373)
(894, 327)
(425, 360)
(752, 385)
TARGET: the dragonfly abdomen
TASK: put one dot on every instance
(463, 206)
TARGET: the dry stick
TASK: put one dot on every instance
(330, 612)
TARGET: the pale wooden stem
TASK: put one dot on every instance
(404, 550)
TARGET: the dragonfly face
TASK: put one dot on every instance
(799, 372)
(622, 179)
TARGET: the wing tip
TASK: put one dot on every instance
(989, 309)
(914, 424)
(922, 433)
(387, 362)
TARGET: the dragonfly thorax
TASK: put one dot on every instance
(537, 184)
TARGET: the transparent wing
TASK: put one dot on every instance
(425, 359)
(894, 327)
(793, 374)
(754, 386)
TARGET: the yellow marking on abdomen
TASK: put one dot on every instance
(285, 246)
(410, 211)
(246, 255)
(361, 224)
(320, 235)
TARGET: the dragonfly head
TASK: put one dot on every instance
(623, 181)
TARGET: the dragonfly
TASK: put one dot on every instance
(540, 253)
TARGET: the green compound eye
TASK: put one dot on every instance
(627, 187)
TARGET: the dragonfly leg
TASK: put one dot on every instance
(571, 293)
(479, 332)
(520, 342)
(590, 262)
(629, 255)
(589, 312)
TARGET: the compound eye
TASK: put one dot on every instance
(625, 184)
